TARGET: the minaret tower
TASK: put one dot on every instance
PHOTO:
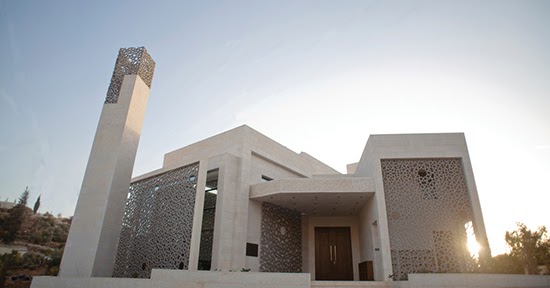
(91, 246)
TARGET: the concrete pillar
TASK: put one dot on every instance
(229, 182)
(194, 249)
(93, 238)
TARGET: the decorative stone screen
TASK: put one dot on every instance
(130, 61)
(281, 239)
(428, 205)
(157, 224)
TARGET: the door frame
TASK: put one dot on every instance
(341, 221)
(338, 241)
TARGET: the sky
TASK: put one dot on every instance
(316, 76)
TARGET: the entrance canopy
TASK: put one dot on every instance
(331, 196)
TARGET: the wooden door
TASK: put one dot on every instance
(333, 260)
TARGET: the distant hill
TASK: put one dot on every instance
(39, 244)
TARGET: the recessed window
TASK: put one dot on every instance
(266, 179)
(208, 220)
(252, 249)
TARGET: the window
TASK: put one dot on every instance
(208, 220)
(252, 249)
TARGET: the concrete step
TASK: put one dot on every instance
(349, 284)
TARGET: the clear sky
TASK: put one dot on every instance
(316, 76)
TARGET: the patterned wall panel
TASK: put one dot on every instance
(281, 239)
(130, 61)
(157, 224)
(428, 205)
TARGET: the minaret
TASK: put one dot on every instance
(91, 246)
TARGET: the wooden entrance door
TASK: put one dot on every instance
(333, 253)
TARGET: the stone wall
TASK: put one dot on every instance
(157, 224)
(281, 239)
(428, 206)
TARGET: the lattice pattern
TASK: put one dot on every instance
(130, 61)
(427, 205)
(446, 260)
(412, 260)
(157, 224)
(281, 239)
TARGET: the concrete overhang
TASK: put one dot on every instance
(342, 196)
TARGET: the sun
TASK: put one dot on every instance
(471, 241)
(473, 247)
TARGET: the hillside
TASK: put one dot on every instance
(36, 250)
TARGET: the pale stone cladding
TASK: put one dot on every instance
(239, 201)
(425, 191)
(242, 157)
(93, 238)
(273, 200)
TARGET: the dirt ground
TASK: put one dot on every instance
(23, 284)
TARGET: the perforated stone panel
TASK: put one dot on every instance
(281, 239)
(157, 224)
(427, 204)
(130, 61)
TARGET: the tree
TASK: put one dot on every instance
(53, 264)
(36, 205)
(505, 264)
(531, 248)
(24, 197)
(8, 261)
(15, 218)
(43, 229)
(31, 260)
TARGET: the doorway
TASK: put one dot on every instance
(333, 260)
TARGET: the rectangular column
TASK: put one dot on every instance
(95, 230)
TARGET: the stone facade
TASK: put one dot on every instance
(157, 224)
(428, 209)
(239, 201)
(272, 199)
(281, 239)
